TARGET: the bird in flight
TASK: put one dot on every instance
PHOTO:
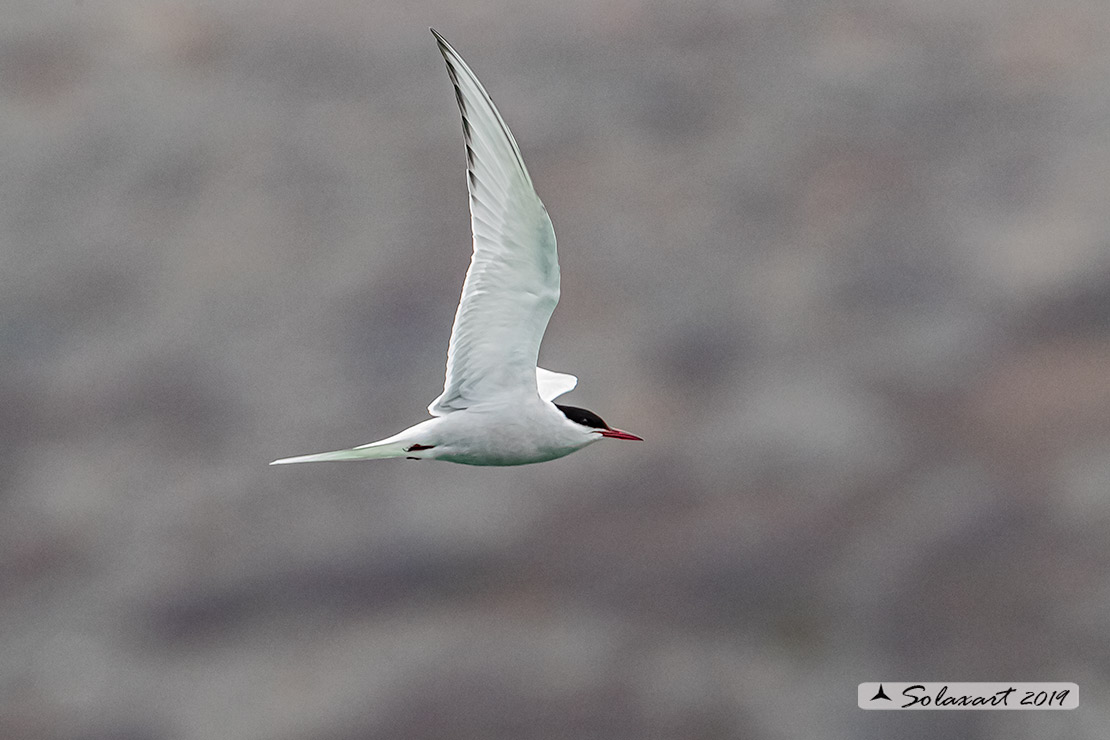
(497, 406)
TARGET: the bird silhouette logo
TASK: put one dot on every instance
(881, 694)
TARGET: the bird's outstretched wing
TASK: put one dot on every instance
(512, 284)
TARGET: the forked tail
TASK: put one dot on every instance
(372, 451)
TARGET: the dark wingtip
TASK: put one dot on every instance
(444, 48)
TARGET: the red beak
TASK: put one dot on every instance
(618, 434)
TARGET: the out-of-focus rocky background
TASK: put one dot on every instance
(844, 265)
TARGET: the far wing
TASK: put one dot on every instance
(512, 284)
(552, 384)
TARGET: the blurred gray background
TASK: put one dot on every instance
(845, 266)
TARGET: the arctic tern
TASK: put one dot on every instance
(497, 406)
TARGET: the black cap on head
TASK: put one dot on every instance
(583, 417)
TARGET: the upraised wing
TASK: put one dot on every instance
(512, 284)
